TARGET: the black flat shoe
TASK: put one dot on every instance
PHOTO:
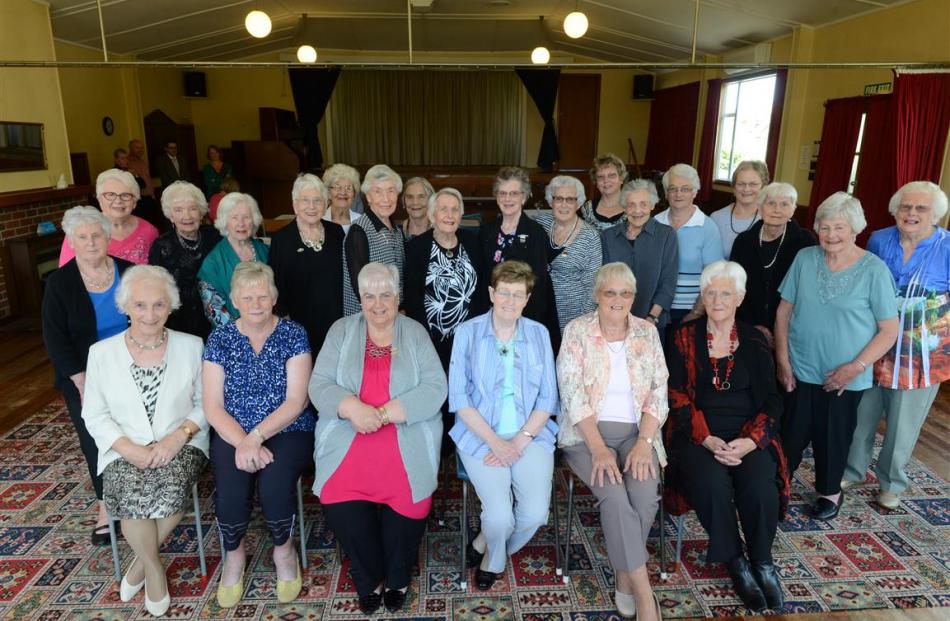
(370, 603)
(745, 585)
(767, 578)
(100, 535)
(484, 579)
(394, 599)
(473, 556)
(824, 509)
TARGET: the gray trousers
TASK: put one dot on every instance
(627, 510)
(904, 412)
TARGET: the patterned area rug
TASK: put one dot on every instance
(867, 558)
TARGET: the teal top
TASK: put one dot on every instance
(835, 314)
(507, 424)
(214, 280)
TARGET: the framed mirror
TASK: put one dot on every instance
(22, 146)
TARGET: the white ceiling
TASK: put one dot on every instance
(650, 31)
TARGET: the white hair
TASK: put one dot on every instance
(444, 192)
(635, 186)
(723, 269)
(181, 192)
(140, 273)
(122, 176)
(76, 217)
(341, 171)
(229, 202)
(561, 181)
(308, 181)
(379, 173)
(778, 189)
(618, 270)
(937, 195)
(250, 273)
(842, 205)
(378, 274)
(681, 170)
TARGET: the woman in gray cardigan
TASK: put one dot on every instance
(378, 385)
(649, 248)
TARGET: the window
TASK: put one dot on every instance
(852, 179)
(745, 112)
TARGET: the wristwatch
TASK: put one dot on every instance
(188, 432)
(653, 318)
(647, 439)
(257, 432)
(525, 432)
(383, 415)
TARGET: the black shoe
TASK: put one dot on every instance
(824, 509)
(394, 599)
(473, 556)
(484, 579)
(100, 535)
(745, 585)
(767, 579)
(370, 603)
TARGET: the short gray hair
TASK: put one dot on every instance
(182, 192)
(842, 205)
(938, 197)
(618, 270)
(123, 176)
(76, 217)
(341, 171)
(778, 189)
(561, 181)
(723, 269)
(429, 190)
(681, 170)
(379, 173)
(229, 202)
(375, 273)
(635, 186)
(249, 273)
(308, 181)
(444, 192)
(140, 273)
(757, 166)
(512, 173)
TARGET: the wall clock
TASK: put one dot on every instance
(108, 127)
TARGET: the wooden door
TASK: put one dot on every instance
(578, 119)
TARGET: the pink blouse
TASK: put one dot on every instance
(372, 469)
(133, 248)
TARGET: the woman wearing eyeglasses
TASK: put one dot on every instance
(343, 182)
(132, 236)
(738, 216)
(608, 172)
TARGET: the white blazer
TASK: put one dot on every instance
(112, 404)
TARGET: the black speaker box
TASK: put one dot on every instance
(643, 86)
(195, 84)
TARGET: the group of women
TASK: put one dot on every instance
(584, 329)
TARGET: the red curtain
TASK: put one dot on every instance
(707, 145)
(839, 137)
(876, 181)
(775, 123)
(923, 118)
(672, 126)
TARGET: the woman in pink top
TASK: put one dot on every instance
(132, 236)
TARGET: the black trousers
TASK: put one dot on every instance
(383, 545)
(718, 491)
(276, 486)
(825, 420)
(88, 446)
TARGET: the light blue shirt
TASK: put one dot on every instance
(477, 378)
(699, 245)
(835, 314)
(508, 417)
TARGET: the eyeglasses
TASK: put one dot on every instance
(512, 194)
(611, 294)
(914, 208)
(111, 196)
(384, 297)
(310, 202)
(517, 296)
(346, 189)
(564, 200)
(607, 177)
(752, 185)
(683, 189)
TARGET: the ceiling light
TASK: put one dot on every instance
(258, 24)
(540, 55)
(306, 54)
(575, 25)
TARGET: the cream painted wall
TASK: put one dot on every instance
(32, 95)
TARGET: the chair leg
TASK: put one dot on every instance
(558, 566)
(115, 550)
(567, 528)
(663, 573)
(680, 521)
(199, 531)
(302, 530)
(443, 489)
(463, 527)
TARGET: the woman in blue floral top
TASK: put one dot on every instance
(255, 396)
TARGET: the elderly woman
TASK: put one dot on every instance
(307, 259)
(131, 236)
(749, 177)
(515, 236)
(917, 252)
(612, 378)
(766, 251)
(343, 182)
(608, 173)
(837, 316)
(78, 310)
(143, 408)
(255, 397)
(725, 455)
(505, 442)
(697, 236)
(238, 219)
(182, 250)
(573, 250)
(648, 248)
(373, 237)
(415, 199)
(378, 437)
(215, 171)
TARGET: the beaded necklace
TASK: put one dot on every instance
(730, 359)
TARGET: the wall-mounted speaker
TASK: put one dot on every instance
(643, 86)
(195, 85)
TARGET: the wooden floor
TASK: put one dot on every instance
(26, 384)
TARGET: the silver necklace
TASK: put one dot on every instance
(97, 284)
(145, 347)
(314, 244)
(188, 244)
(777, 250)
(554, 244)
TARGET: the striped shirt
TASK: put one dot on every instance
(573, 270)
(699, 245)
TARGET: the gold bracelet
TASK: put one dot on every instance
(188, 433)
(383, 415)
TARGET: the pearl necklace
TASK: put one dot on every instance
(145, 347)
(187, 244)
(92, 283)
(554, 243)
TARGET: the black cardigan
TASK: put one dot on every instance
(69, 321)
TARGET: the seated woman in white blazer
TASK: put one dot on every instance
(142, 405)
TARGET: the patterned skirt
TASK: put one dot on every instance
(132, 493)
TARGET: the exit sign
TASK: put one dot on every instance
(881, 88)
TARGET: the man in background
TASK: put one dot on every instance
(170, 167)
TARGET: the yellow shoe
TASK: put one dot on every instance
(288, 590)
(229, 596)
